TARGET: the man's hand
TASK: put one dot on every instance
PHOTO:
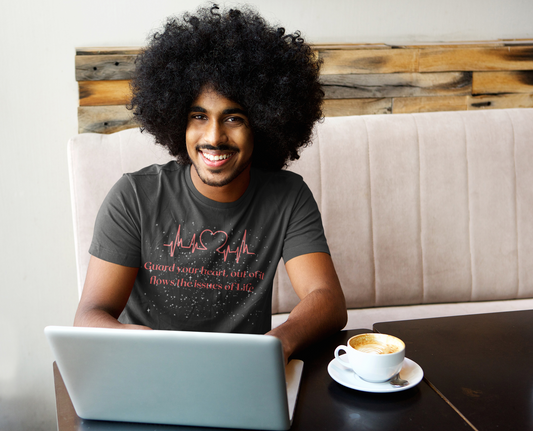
(105, 294)
(322, 309)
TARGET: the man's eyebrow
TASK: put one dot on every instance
(228, 111)
(197, 109)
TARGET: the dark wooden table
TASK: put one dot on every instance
(322, 404)
(482, 364)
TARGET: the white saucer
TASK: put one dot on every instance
(411, 371)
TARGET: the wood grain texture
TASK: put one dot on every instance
(357, 78)
(344, 107)
(109, 50)
(104, 67)
(405, 105)
(458, 44)
(501, 101)
(396, 85)
(368, 61)
(99, 93)
(502, 82)
(476, 59)
(104, 119)
(343, 46)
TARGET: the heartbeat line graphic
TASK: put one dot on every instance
(179, 243)
(243, 248)
(211, 238)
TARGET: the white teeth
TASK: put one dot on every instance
(215, 158)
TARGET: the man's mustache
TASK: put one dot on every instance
(221, 147)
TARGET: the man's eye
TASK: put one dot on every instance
(235, 120)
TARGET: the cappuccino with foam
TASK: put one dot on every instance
(379, 344)
(373, 357)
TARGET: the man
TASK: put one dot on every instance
(194, 244)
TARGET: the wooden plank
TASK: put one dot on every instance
(396, 85)
(502, 82)
(502, 101)
(358, 79)
(111, 119)
(476, 59)
(135, 50)
(337, 46)
(104, 119)
(345, 107)
(99, 93)
(369, 61)
(109, 50)
(406, 105)
(455, 45)
(517, 42)
(104, 67)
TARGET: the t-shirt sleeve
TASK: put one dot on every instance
(117, 232)
(305, 232)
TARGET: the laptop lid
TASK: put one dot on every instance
(175, 377)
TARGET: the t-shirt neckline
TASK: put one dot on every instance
(247, 195)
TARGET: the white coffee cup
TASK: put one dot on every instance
(373, 357)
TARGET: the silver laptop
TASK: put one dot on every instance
(175, 377)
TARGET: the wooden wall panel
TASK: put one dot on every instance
(345, 107)
(358, 79)
(101, 93)
(408, 105)
(476, 59)
(109, 50)
(104, 119)
(502, 82)
(104, 67)
(501, 101)
(396, 85)
(368, 61)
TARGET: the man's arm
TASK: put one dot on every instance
(322, 309)
(105, 294)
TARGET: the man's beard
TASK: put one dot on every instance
(223, 181)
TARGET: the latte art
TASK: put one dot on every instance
(372, 356)
(378, 344)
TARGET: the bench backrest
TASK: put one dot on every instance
(417, 208)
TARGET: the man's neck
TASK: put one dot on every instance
(228, 193)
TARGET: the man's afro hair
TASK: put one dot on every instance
(274, 76)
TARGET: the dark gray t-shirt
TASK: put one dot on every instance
(204, 265)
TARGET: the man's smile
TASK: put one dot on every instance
(216, 157)
(213, 157)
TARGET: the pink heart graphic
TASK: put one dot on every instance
(213, 239)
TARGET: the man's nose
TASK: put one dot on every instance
(215, 133)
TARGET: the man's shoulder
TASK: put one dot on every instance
(280, 186)
(152, 179)
(169, 168)
(282, 177)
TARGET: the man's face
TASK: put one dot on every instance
(219, 141)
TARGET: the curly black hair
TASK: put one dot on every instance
(274, 76)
